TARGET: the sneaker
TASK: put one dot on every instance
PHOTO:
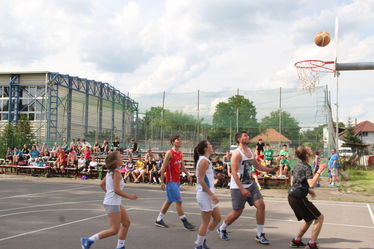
(296, 243)
(86, 243)
(331, 185)
(311, 246)
(262, 239)
(123, 247)
(187, 225)
(223, 234)
(205, 246)
(199, 247)
(161, 223)
(318, 185)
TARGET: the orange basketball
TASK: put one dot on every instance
(322, 39)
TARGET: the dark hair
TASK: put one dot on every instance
(284, 145)
(239, 134)
(302, 152)
(110, 161)
(173, 138)
(199, 150)
(317, 153)
(267, 144)
(161, 156)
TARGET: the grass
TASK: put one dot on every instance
(359, 181)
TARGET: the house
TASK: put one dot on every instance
(364, 130)
(271, 136)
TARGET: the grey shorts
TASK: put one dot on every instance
(238, 200)
(112, 208)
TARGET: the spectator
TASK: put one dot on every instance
(134, 148)
(116, 144)
(334, 168)
(284, 166)
(227, 162)
(73, 143)
(26, 152)
(9, 154)
(96, 148)
(255, 174)
(65, 145)
(54, 150)
(82, 164)
(79, 144)
(17, 155)
(316, 163)
(72, 157)
(85, 144)
(37, 147)
(87, 155)
(260, 146)
(268, 152)
(130, 168)
(105, 146)
(284, 152)
(140, 169)
(61, 161)
(34, 153)
(151, 164)
(92, 165)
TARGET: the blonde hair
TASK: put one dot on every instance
(110, 161)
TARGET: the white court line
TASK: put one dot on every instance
(48, 192)
(48, 205)
(370, 212)
(51, 210)
(253, 218)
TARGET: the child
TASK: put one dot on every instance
(268, 152)
(119, 220)
(140, 169)
(303, 182)
(283, 166)
(317, 161)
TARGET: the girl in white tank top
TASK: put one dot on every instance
(113, 185)
(205, 196)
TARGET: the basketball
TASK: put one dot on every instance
(322, 39)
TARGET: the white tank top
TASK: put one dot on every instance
(244, 171)
(209, 176)
(111, 198)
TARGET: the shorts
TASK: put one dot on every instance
(238, 200)
(112, 208)
(329, 173)
(334, 172)
(256, 173)
(205, 202)
(303, 209)
(173, 192)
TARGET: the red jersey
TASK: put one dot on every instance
(173, 169)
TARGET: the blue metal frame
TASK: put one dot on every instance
(13, 103)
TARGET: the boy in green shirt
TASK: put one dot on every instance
(268, 152)
(284, 166)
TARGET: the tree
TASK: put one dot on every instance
(290, 126)
(313, 138)
(349, 134)
(225, 118)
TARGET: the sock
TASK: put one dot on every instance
(182, 217)
(160, 216)
(297, 239)
(94, 237)
(260, 229)
(200, 240)
(312, 242)
(120, 243)
(223, 226)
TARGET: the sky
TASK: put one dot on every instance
(149, 46)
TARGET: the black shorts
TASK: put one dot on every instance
(303, 208)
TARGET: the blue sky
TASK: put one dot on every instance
(181, 46)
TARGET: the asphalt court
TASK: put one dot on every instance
(56, 215)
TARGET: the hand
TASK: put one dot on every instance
(214, 198)
(312, 194)
(163, 187)
(245, 192)
(275, 169)
(322, 167)
(133, 197)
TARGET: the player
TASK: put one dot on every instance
(119, 220)
(205, 193)
(243, 189)
(171, 167)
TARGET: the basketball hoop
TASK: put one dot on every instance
(309, 70)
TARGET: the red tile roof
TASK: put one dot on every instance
(270, 136)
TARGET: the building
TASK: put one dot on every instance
(272, 137)
(62, 106)
(363, 130)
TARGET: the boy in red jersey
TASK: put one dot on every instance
(170, 171)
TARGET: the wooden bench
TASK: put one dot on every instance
(264, 181)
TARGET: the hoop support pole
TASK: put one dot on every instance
(354, 66)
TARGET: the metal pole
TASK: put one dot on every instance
(198, 115)
(237, 112)
(280, 115)
(162, 121)
(337, 114)
(354, 66)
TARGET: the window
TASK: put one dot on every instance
(364, 133)
(31, 116)
(23, 92)
(1, 91)
(6, 91)
(32, 91)
(40, 91)
(4, 116)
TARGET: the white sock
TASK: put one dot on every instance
(160, 216)
(182, 217)
(208, 232)
(120, 243)
(223, 226)
(94, 237)
(260, 229)
(200, 240)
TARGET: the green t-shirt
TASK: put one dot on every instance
(284, 153)
(268, 154)
(284, 162)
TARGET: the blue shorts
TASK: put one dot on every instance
(173, 192)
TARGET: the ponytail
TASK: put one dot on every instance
(199, 150)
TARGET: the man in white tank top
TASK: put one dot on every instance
(243, 189)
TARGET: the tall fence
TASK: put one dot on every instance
(295, 117)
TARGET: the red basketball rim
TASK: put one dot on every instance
(316, 65)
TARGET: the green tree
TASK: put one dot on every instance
(349, 134)
(313, 138)
(290, 126)
(225, 118)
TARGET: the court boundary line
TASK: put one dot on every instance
(370, 212)
(48, 205)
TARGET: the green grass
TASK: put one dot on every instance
(360, 181)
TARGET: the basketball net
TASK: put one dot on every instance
(308, 72)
